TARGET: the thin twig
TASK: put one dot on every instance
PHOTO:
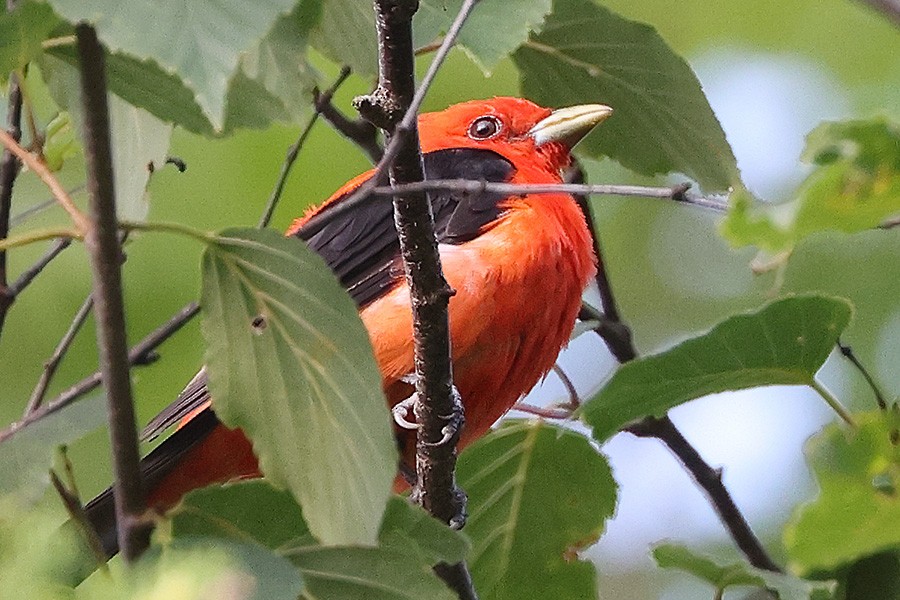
(294, 151)
(9, 169)
(618, 338)
(76, 512)
(544, 412)
(40, 207)
(675, 193)
(41, 169)
(40, 389)
(359, 131)
(105, 251)
(574, 398)
(890, 223)
(29, 274)
(848, 353)
(889, 8)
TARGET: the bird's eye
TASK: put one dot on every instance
(485, 127)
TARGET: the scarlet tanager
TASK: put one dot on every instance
(518, 264)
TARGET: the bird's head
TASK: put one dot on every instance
(512, 127)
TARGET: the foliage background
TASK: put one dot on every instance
(772, 70)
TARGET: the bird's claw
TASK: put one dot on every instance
(401, 409)
(455, 420)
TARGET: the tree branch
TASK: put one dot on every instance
(617, 336)
(359, 131)
(9, 169)
(393, 106)
(50, 366)
(105, 251)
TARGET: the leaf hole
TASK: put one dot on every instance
(259, 324)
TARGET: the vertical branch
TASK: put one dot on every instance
(106, 257)
(393, 106)
(9, 169)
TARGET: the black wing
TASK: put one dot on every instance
(362, 248)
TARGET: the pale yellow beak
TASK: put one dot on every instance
(569, 125)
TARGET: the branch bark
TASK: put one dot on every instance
(393, 106)
(618, 338)
(105, 251)
(9, 169)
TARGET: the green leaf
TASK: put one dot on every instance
(279, 64)
(209, 36)
(783, 343)
(137, 137)
(60, 142)
(494, 29)
(410, 542)
(26, 455)
(21, 34)
(197, 567)
(855, 187)
(785, 587)
(290, 363)
(662, 120)
(345, 33)
(856, 512)
(537, 495)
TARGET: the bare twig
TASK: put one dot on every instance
(9, 169)
(40, 168)
(617, 336)
(105, 251)
(359, 131)
(294, 151)
(574, 398)
(848, 353)
(544, 412)
(394, 106)
(50, 366)
(8, 294)
(890, 223)
(889, 8)
(676, 193)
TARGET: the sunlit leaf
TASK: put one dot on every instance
(741, 574)
(538, 494)
(855, 187)
(199, 40)
(857, 511)
(27, 454)
(662, 121)
(783, 343)
(290, 363)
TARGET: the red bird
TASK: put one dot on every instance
(496, 251)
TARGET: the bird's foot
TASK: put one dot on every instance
(402, 409)
(455, 420)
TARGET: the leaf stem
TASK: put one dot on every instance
(178, 228)
(39, 235)
(833, 402)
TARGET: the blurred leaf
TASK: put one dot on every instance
(538, 494)
(34, 554)
(279, 64)
(494, 29)
(209, 37)
(60, 142)
(345, 33)
(783, 343)
(855, 187)
(785, 587)
(27, 454)
(874, 577)
(857, 512)
(410, 542)
(21, 34)
(138, 140)
(194, 568)
(662, 121)
(290, 363)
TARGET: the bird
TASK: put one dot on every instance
(518, 265)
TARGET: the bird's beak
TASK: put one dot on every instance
(569, 125)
